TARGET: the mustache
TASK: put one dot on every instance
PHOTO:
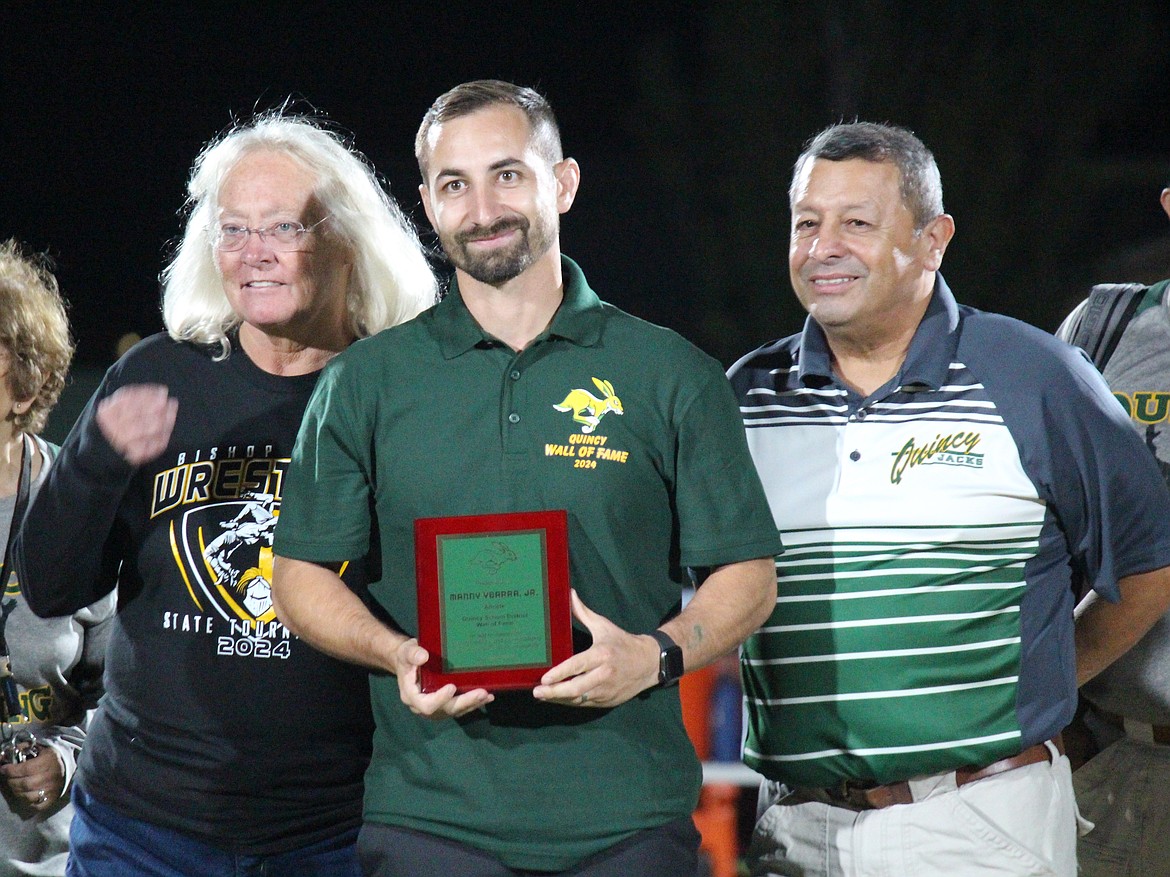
(479, 232)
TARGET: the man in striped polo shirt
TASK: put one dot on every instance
(937, 475)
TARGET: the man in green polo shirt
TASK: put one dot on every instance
(522, 391)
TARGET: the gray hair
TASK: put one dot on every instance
(465, 99)
(921, 186)
(391, 281)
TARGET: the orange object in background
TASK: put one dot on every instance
(715, 816)
(694, 690)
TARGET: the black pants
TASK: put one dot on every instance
(670, 850)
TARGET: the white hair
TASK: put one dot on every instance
(391, 281)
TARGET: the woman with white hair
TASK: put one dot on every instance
(223, 744)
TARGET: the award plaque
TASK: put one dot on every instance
(493, 598)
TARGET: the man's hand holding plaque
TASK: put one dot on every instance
(446, 701)
(616, 667)
(493, 608)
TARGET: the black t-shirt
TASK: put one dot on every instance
(217, 722)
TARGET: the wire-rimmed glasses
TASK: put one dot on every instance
(284, 236)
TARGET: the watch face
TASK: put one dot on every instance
(670, 658)
(670, 665)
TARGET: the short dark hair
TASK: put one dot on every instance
(465, 99)
(921, 184)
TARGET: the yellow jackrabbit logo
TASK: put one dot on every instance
(588, 409)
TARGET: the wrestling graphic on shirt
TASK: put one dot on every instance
(250, 528)
(222, 510)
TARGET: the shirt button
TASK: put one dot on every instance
(515, 374)
(513, 417)
(855, 456)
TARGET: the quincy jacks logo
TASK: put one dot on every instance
(584, 448)
(956, 449)
(588, 409)
(493, 558)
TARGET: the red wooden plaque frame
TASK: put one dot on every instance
(558, 623)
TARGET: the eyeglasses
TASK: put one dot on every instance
(285, 237)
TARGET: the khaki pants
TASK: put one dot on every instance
(1016, 824)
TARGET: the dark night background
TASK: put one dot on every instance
(1050, 123)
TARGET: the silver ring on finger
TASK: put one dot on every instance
(42, 796)
(585, 698)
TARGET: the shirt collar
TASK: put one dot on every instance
(579, 318)
(928, 361)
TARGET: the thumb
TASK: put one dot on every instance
(412, 653)
(593, 622)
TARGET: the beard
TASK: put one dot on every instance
(497, 267)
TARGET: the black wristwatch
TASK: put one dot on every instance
(670, 659)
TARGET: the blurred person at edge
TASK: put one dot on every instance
(1122, 790)
(224, 744)
(56, 663)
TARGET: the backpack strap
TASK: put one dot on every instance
(1103, 318)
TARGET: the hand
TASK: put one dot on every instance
(617, 667)
(137, 421)
(38, 781)
(439, 704)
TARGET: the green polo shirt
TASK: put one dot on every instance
(435, 417)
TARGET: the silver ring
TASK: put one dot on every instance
(585, 698)
(42, 795)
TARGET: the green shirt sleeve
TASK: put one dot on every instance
(325, 511)
(723, 512)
